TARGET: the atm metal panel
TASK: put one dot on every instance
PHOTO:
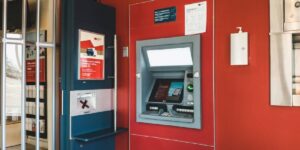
(146, 77)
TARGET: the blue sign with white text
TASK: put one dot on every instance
(165, 15)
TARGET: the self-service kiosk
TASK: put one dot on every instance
(168, 81)
(89, 76)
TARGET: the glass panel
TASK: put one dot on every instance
(296, 63)
(46, 95)
(46, 22)
(13, 94)
(170, 57)
(14, 18)
(31, 97)
(46, 19)
(31, 21)
(1, 75)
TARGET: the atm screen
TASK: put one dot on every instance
(169, 90)
(170, 57)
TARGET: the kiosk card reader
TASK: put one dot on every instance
(168, 81)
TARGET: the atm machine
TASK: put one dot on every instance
(168, 81)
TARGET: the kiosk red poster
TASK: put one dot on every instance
(91, 56)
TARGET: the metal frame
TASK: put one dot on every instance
(21, 41)
(116, 83)
(3, 78)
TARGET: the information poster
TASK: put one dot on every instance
(195, 18)
(91, 56)
(31, 63)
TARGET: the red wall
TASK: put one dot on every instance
(122, 30)
(244, 119)
(148, 136)
(142, 136)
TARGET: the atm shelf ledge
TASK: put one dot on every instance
(88, 137)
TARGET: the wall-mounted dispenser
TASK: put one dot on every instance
(239, 48)
(168, 81)
(285, 52)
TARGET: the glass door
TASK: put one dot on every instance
(28, 74)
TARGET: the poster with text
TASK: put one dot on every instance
(31, 63)
(91, 56)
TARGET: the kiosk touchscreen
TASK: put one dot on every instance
(168, 81)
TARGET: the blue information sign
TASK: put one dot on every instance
(165, 15)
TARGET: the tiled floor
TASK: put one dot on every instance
(28, 147)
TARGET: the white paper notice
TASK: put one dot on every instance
(195, 18)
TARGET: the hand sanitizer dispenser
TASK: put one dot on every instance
(239, 48)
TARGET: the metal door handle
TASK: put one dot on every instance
(110, 77)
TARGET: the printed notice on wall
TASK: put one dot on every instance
(195, 18)
(91, 56)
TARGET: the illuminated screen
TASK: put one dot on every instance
(170, 57)
(170, 90)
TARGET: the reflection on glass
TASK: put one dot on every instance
(31, 29)
(46, 19)
(45, 88)
(14, 16)
(13, 94)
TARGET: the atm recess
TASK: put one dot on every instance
(168, 81)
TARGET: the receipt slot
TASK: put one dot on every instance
(168, 81)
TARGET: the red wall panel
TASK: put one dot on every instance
(142, 27)
(149, 143)
(244, 118)
(122, 30)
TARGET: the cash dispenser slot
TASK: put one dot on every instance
(183, 109)
(168, 81)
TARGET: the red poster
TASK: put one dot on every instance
(30, 70)
(91, 56)
(31, 64)
(91, 69)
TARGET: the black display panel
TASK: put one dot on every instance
(167, 90)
